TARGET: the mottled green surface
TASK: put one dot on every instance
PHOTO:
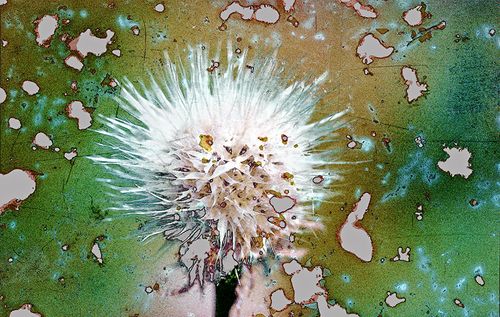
(453, 242)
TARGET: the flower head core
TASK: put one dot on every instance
(224, 159)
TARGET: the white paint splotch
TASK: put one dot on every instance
(402, 256)
(364, 11)
(265, 13)
(279, 301)
(97, 253)
(457, 163)
(479, 280)
(24, 311)
(370, 47)
(392, 299)
(327, 310)
(30, 87)
(76, 110)
(3, 95)
(419, 213)
(305, 282)
(73, 62)
(353, 238)
(71, 154)
(45, 27)
(14, 123)
(42, 140)
(307, 289)
(414, 88)
(86, 43)
(160, 7)
(288, 5)
(282, 204)
(15, 187)
(414, 16)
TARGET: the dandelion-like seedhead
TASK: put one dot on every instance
(228, 159)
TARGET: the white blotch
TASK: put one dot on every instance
(87, 43)
(71, 154)
(3, 95)
(414, 16)
(392, 300)
(135, 30)
(74, 62)
(457, 163)
(353, 238)
(365, 11)
(420, 141)
(30, 87)
(160, 7)
(25, 310)
(279, 301)
(42, 140)
(479, 280)
(288, 5)
(352, 144)
(305, 282)
(45, 29)
(307, 290)
(76, 110)
(96, 251)
(15, 186)
(327, 310)
(458, 302)
(14, 123)
(116, 52)
(371, 47)
(263, 13)
(414, 88)
(282, 204)
(402, 256)
(267, 14)
(419, 213)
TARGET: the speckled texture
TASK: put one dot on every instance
(453, 242)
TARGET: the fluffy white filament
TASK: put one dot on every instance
(228, 154)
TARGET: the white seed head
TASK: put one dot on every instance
(227, 155)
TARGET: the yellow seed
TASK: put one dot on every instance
(206, 142)
(272, 192)
(284, 139)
